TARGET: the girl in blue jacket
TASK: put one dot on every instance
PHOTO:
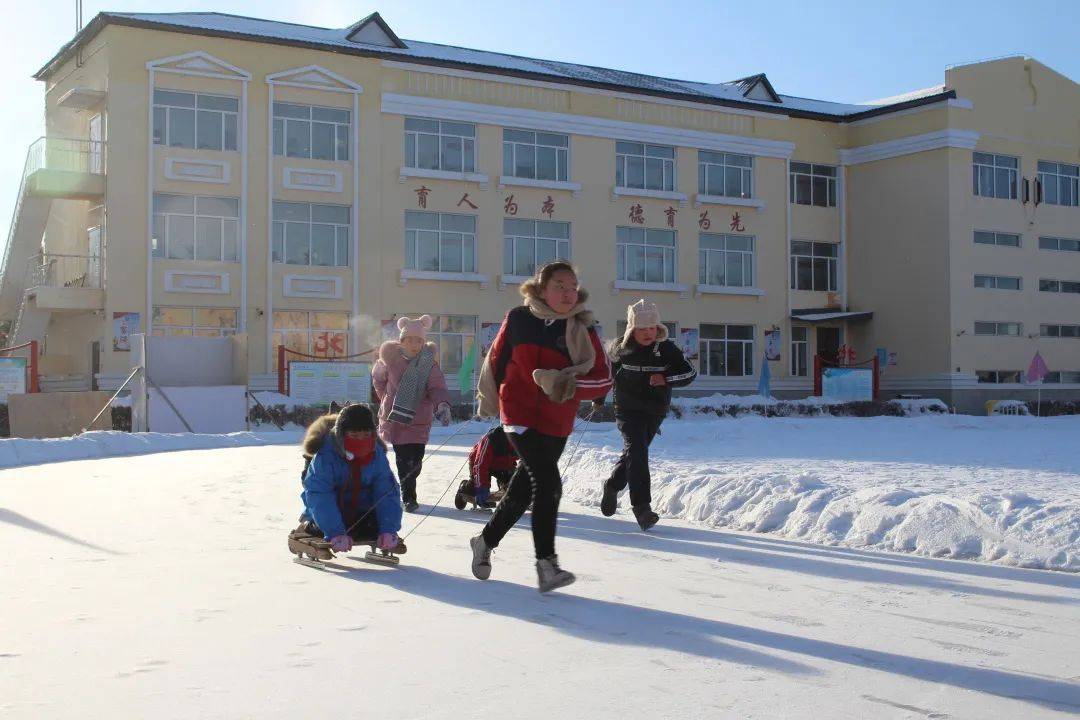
(347, 482)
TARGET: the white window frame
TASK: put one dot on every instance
(167, 113)
(800, 352)
(443, 135)
(1059, 176)
(164, 220)
(988, 169)
(815, 174)
(710, 162)
(995, 280)
(747, 349)
(626, 152)
(996, 377)
(194, 328)
(831, 263)
(997, 328)
(1044, 331)
(708, 256)
(1057, 242)
(1054, 377)
(312, 332)
(512, 148)
(279, 234)
(994, 237)
(1060, 286)
(341, 131)
(467, 238)
(512, 240)
(669, 252)
(436, 335)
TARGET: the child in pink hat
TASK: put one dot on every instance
(411, 391)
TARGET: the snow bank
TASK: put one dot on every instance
(998, 489)
(101, 444)
(921, 406)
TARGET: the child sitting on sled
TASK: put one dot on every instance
(350, 495)
(491, 456)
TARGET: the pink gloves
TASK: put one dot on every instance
(341, 543)
(388, 541)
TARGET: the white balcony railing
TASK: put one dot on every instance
(55, 270)
(66, 154)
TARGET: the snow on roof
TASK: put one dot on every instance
(908, 96)
(270, 30)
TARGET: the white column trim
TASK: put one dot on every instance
(354, 129)
(150, 172)
(843, 274)
(270, 362)
(244, 129)
(950, 138)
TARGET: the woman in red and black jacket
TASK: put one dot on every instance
(546, 360)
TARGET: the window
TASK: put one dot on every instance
(644, 167)
(998, 376)
(1059, 183)
(1063, 376)
(323, 334)
(195, 120)
(986, 237)
(1059, 286)
(196, 227)
(813, 265)
(453, 335)
(726, 260)
(800, 350)
(529, 244)
(998, 328)
(727, 350)
(200, 322)
(672, 328)
(1065, 244)
(308, 234)
(439, 145)
(306, 131)
(1060, 331)
(440, 242)
(725, 174)
(535, 155)
(813, 184)
(997, 282)
(994, 176)
(644, 255)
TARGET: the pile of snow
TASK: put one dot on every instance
(15, 452)
(921, 406)
(998, 489)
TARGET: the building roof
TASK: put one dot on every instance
(372, 37)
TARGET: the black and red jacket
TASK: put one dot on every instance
(492, 454)
(526, 343)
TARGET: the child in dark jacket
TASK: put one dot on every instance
(647, 365)
(546, 359)
(491, 456)
(349, 493)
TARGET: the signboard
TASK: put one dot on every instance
(688, 343)
(125, 324)
(488, 331)
(847, 384)
(772, 344)
(12, 377)
(321, 382)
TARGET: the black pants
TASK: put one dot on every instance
(366, 529)
(638, 431)
(409, 458)
(536, 479)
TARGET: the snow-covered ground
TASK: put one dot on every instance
(159, 586)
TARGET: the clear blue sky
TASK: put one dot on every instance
(843, 50)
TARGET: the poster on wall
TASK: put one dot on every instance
(12, 377)
(488, 331)
(688, 343)
(125, 324)
(772, 344)
(321, 382)
(847, 384)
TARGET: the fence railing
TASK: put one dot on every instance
(60, 270)
(67, 154)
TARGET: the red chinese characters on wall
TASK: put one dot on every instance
(736, 223)
(670, 212)
(466, 201)
(703, 220)
(510, 207)
(421, 196)
(637, 214)
(329, 344)
(548, 207)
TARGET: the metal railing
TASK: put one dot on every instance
(66, 154)
(63, 271)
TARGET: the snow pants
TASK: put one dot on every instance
(409, 458)
(632, 468)
(536, 479)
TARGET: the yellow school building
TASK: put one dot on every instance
(208, 174)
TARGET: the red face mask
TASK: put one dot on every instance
(362, 451)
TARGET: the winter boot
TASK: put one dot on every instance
(481, 557)
(411, 505)
(609, 501)
(646, 518)
(550, 576)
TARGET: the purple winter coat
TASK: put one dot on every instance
(386, 376)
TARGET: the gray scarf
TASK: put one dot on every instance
(412, 386)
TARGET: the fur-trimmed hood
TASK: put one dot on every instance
(391, 351)
(317, 432)
(626, 344)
